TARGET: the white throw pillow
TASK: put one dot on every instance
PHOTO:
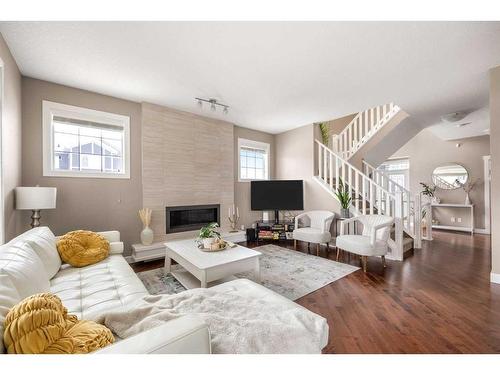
(8, 299)
(43, 241)
(23, 267)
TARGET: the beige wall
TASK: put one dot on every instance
(495, 169)
(242, 189)
(11, 139)
(187, 160)
(294, 155)
(426, 152)
(82, 203)
(336, 126)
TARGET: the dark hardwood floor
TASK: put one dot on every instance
(439, 300)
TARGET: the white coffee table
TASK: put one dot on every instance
(206, 267)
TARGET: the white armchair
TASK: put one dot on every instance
(373, 240)
(314, 228)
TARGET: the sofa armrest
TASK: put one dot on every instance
(297, 218)
(111, 235)
(184, 335)
(116, 248)
(375, 228)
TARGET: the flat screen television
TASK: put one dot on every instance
(277, 195)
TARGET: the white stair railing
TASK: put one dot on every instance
(412, 204)
(368, 197)
(362, 127)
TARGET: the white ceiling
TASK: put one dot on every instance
(475, 124)
(274, 75)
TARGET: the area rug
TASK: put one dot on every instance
(287, 272)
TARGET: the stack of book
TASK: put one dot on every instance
(266, 235)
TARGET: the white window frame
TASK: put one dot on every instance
(398, 171)
(248, 143)
(51, 109)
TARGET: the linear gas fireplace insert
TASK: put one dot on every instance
(186, 218)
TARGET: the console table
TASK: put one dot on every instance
(469, 207)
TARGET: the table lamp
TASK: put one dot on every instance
(35, 198)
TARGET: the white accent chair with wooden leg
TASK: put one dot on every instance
(373, 241)
(313, 227)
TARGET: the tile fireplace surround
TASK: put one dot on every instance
(187, 160)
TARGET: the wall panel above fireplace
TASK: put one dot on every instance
(187, 160)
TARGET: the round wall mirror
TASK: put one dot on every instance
(450, 176)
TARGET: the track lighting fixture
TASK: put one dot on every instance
(213, 104)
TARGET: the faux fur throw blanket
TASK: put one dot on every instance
(237, 324)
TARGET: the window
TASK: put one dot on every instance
(397, 170)
(253, 160)
(80, 142)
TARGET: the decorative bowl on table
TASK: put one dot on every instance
(217, 245)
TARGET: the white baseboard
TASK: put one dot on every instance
(481, 231)
(495, 278)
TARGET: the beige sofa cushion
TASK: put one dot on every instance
(43, 241)
(20, 263)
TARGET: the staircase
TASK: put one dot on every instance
(371, 192)
(362, 128)
(412, 204)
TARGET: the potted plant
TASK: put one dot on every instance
(325, 133)
(428, 191)
(208, 234)
(344, 197)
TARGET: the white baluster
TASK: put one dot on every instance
(356, 191)
(418, 221)
(398, 254)
(336, 174)
(320, 174)
(355, 140)
(325, 168)
(372, 120)
(365, 196)
(331, 170)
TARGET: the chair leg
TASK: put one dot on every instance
(295, 244)
(309, 248)
(317, 249)
(383, 261)
(328, 248)
(363, 261)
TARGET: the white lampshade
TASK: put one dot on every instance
(35, 198)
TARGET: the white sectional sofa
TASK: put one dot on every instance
(30, 264)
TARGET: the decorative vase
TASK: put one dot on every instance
(147, 236)
(467, 199)
(207, 242)
(344, 213)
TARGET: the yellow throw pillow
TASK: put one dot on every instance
(81, 248)
(40, 324)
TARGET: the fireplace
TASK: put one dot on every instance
(186, 218)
